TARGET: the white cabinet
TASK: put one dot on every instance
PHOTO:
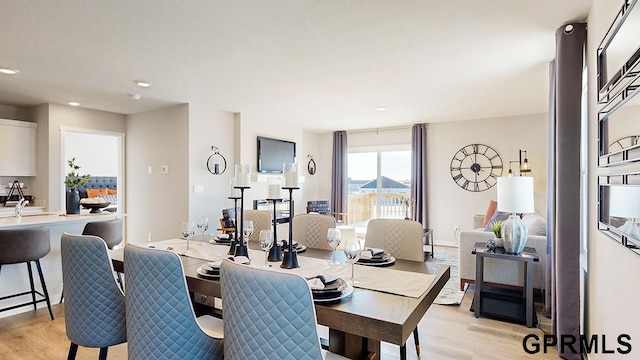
(18, 148)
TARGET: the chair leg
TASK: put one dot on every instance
(120, 282)
(103, 353)
(33, 289)
(73, 350)
(403, 352)
(416, 339)
(61, 297)
(44, 288)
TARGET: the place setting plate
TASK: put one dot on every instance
(333, 291)
(383, 259)
(299, 248)
(211, 270)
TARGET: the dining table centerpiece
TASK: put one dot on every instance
(73, 180)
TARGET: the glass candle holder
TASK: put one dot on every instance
(233, 192)
(243, 175)
(291, 171)
(275, 188)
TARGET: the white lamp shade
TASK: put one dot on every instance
(624, 201)
(515, 194)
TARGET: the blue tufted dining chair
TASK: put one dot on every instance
(268, 315)
(161, 323)
(94, 307)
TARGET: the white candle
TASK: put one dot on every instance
(233, 192)
(275, 191)
(243, 175)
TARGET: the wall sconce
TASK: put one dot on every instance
(216, 163)
(523, 164)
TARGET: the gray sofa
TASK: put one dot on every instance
(496, 271)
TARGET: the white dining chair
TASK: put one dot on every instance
(261, 221)
(268, 315)
(161, 322)
(402, 239)
(311, 230)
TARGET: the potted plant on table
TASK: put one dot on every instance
(496, 227)
(72, 181)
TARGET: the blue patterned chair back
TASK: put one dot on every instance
(161, 322)
(110, 231)
(267, 315)
(94, 308)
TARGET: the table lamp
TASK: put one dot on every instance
(515, 195)
(625, 203)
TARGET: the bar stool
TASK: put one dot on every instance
(24, 246)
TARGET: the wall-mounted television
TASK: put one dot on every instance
(272, 153)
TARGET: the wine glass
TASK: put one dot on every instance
(203, 225)
(352, 249)
(266, 242)
(187, 230)
(247, 230)
(333, 238)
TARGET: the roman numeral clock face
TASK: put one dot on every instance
(476, 167)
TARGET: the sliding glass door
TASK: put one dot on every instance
(379, 183)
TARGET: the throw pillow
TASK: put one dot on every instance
(498, 215)
(535, 223)
(96, 192)
(490, 211)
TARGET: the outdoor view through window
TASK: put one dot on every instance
(379, 185)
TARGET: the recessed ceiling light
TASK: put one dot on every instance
(135, 96)
(143, 84)
(73, 103)
(381, 108)
(8, 71)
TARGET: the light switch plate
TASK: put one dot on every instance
(165, 169)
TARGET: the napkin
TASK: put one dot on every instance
(317, 283)
(240, 259)
(371, 253)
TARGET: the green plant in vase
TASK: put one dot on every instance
(496, 227)
(72, 181)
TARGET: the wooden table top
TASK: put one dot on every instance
(372, 314)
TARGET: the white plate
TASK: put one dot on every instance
(346, 292)
(302, 248)
(389, 261)
(205, 274)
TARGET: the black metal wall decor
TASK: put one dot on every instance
(618, 72)
(311, 165)
(216, 163)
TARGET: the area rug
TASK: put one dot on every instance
(450, 294)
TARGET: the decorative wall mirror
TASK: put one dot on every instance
(620, 133)
(619, 53)
(619, 210)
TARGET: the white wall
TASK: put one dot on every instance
(209, 127)
(157, 203)
(451, 205)
(612, 295)
(96, 154)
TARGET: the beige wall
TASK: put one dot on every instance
(157, 203)
(612, 295)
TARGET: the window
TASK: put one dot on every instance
(379, 183)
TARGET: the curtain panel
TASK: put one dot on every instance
(419, 173)
(564, 183)
(339, 178)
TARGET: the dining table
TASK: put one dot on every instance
(385, 307)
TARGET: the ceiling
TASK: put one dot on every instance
(320, 65)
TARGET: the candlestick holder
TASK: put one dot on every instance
(290, 259)
(241, 247)
(234, 241)
(275, 254)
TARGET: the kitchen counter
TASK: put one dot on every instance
(14, 278)
(52, 218)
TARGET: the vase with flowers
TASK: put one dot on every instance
(72, 181)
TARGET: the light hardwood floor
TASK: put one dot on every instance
(446, 332)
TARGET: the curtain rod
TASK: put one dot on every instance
(378, 129)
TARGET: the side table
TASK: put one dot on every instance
(507, 304)
(428, 240)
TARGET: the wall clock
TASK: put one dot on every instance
(476, 167)
(624, 143)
